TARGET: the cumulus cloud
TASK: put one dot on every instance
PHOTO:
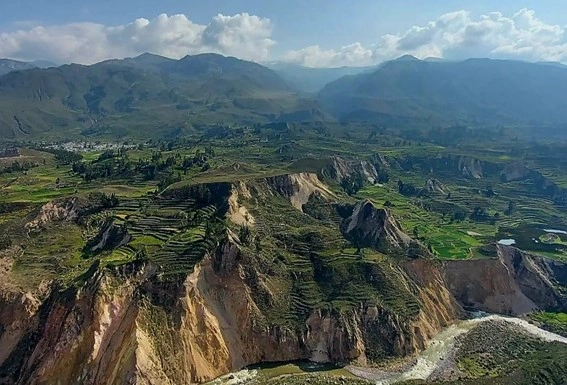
(455, 35)
(242, 35)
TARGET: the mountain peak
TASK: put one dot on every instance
(150, 58)
(148, 55)
(407, 58)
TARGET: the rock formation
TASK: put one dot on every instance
(368, 226)
(514, 283)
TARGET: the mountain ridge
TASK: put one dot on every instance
(202, 89)
(474, 91)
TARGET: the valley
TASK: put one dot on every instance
(222, 258)
(202, 221)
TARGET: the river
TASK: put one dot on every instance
(431, 359)
(442, 345)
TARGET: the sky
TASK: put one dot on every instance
(315, 33)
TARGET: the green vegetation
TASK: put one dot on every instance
(413, 93)
(459, 200)
(173, 161)
(510, 356)
(554, 322)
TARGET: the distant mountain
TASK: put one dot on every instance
(146, 95)
(552, 63)
(43, 64)
(311, 80)
(8, 65)
(474, 91)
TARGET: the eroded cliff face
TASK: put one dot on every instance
(369, 226)
(298, 188)
(340, 169)
(514, 283)
(127, 326)
(240, 304)
(82, 334)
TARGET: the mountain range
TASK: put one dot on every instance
(474, 91)
(150, 95)
(311, 80)
(146, 95)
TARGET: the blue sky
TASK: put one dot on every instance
(311, 32)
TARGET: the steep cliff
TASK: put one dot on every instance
(126, 326)
(368, 226)
(338, 169)
(268, 286)
(513, 283)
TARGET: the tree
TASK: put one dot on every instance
(489, 192)
(459, 216)
(5, 242)
(511, 208)
(416, 232)
(352, 183)
(479, 214)
(383, 177)
(406, 189)
(109, 201)
(257, 243)
(245, 235)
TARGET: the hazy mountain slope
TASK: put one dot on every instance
(310, 80)
(473, 91)
(8, 65)
(147, 92)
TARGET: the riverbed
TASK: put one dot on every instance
(432, 360)
(442, 347)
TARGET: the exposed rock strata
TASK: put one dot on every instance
(126, 326)
(514, 283)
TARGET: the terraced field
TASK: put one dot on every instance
(170, 233)
(431, 218)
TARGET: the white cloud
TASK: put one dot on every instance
(455, 35)
(242, 35)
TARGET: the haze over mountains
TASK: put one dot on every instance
(157, 96)
(311, 80)
(475, 91)
(8, 65)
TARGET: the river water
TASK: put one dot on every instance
(442, 345)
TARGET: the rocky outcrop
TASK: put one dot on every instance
(66, 210)
(340, 169)
(237, 212)
(434, 186)
(298, 188)
(450, 165)
(110, 236)
(368, 226)
(514, 171)
(514, 283)
(77, 335)
(471, 167)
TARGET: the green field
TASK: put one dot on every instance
(442, 221)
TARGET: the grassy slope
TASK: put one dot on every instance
(311, 144)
